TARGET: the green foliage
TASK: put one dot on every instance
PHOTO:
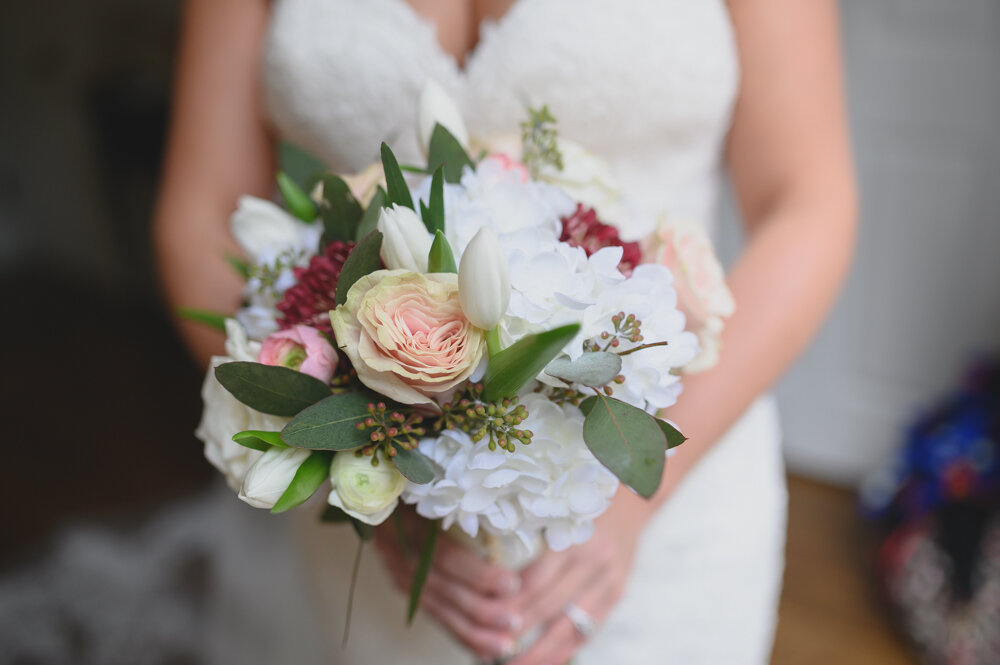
(259, 440)
(241, 267)
(331, 424)
(594, 368)
(369, 220)
(397, 190)
(307, 479)
(340, 211)
(513, 368)
(674, 436)
(296, 200)
(203, 316)
(414, 465)
(279, 391)
(627, 440)
(445, 151)
(301, 166)
(363, 260)
(423, 568)
(433, 213)
(441, 258)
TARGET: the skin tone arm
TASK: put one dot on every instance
(789, 157)
(218, 149)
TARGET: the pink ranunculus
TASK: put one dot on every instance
(406, 335)
(300, 348)
(684, 247)
(507, 163)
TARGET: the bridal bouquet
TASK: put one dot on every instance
(467, 337)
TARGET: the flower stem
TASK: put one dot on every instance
(493, 341)
(641, 347)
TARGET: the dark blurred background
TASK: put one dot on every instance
(102, 400)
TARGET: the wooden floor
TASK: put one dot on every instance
(829, 612)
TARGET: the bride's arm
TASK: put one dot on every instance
(789, 157)
(218, 148)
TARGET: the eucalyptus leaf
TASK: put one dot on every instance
(369, 220)
(331, 424)
(364, 531)
(363, 260)
(627, 440)
(340, 211)
(414, 465)
(203, 316)
(297, 201)
(306, 481)
(445, 150)
(434, 218)
(594, 368)
(513, 368)
(259, 440)
(441, 258)
(423, 568)
(279, 391)
(333, 515)
(674, 436)
(301, 166)
(397, 190)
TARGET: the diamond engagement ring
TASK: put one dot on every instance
(581, 619)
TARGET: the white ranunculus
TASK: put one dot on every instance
(554, 487)
(238, 346)
(436, 107)
(222, 417)
(406, 242)
(365, 492)
(271, 475)
(484, 280)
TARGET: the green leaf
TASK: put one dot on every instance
(518, 364)
(445, 150)
(441, 258)
(203, 316)
(297, 201)
(627, 440)
(423, 568)
(333, 515)
(241, 267)
(300, 165)
(364, 531)
(398, 192)
(259, 440)
(305, 482)
(363, 260)
(594, 368)
(674, 436)
(340, 211)
(279, 391)
(414, 465)
(331, 424)
(433, 214)
(369, 220)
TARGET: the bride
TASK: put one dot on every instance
(671, 93)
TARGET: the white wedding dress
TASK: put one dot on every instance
(650, 87)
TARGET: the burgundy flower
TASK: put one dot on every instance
(312, 298)
(583, 229)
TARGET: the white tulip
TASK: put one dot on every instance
(365, 492)
(437, 107)
(484, 281)
(405, 242)
(271, 475)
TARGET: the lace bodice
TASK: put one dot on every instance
(647, 85)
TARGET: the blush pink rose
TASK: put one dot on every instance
(684, 247)
(406, 335)
(301, 348)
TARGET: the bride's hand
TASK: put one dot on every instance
(591, 576)
(469, 596)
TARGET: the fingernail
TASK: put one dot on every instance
(515, 622)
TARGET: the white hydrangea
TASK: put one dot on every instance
(551, 490)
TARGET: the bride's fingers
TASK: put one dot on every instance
(465, 566)
(487, 643)
(536, 578)
(570, 584)
(487, 611)
(561, 639)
